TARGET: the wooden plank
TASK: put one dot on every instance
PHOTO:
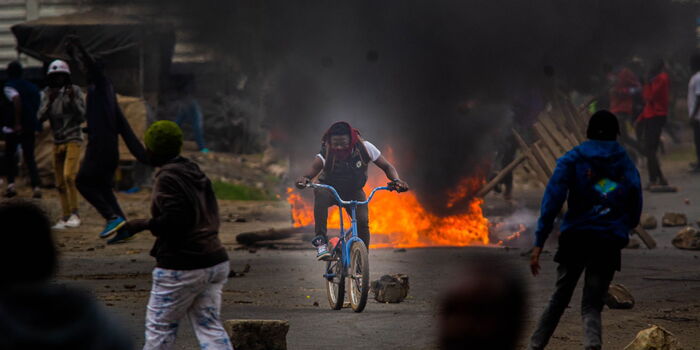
(548, 161)
(501, 174)
(562, 128)
(554, 149)
(645, 237)
(563, 142)
(535, 164)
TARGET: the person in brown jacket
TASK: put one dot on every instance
(191, 263)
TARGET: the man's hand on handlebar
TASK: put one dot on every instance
(398, 186)
(302, 182)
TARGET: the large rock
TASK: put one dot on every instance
(654, 338)
(619, 297)
(648, 222)
(390, 289)
(674, 219)
(257, 334)
(687, 238)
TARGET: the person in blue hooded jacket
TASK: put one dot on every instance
(602, 188)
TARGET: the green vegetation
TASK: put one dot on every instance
(229, 191)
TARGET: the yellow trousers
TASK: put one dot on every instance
(66, 161)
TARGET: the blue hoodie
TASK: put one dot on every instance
(604, 194)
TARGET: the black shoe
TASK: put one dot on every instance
(121, 237)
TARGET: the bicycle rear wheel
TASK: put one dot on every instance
(335, 286)
(359, 276)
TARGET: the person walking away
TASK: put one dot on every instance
(25, 99)
(105, 122)
(342, 163)
(651, 121)
(63, 104)
(602, 188)
(694, 108)
(189, 111)
(191, 263)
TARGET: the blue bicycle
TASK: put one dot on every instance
(349, 256)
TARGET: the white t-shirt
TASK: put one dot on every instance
(10, 92)
(372, 150)
(693, 93)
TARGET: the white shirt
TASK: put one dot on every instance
(693, 93)
(10, 92)
(372, 150)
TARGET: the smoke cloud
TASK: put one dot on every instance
(430, 79)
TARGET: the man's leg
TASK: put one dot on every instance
(206, 308)
(90, 186)
(595, 287)
(59, 159)
(70, 171)
(11, 142)
(172, 294)
(362, 216)
(654, 128)
(567, 277)
(29, 158)
(198, 126)
(322, 201)
(696, 138)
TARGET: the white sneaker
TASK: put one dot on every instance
(73, 221)
(322, 252)
(60, 225)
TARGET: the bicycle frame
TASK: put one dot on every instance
(352, 231)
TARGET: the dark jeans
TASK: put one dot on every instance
(597, 280)
(323, 199)
(649, 133)
(26, 139)
(97, 188)
(696, 138)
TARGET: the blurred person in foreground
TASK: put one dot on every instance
(34, 313)
(63, 104)
(484, 309)
(602, 188)
(192, 265)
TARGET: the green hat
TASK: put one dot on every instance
(164, 138)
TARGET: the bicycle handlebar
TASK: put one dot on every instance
(341, 201)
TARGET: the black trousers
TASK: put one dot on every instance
(26, 139)
(696, 138)
(597, 279)
(323, 199)
(649, 133)
(97, 187)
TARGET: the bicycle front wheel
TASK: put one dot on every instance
(359, 276)
(335, 286)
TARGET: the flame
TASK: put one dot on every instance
(400, 221)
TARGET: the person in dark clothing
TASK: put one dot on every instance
(694, 108)
(34, 313)
(603, 191)
(105, 123)
(342, 163)
(25, 98)
(191, 263)
(651, 121)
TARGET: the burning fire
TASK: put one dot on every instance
(400, 221)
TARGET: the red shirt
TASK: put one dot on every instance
(621, 96)
(656, 96)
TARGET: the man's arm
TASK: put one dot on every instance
(130, 140)
(44, 107)
(313, 171)
(391, 172)
(552, 202)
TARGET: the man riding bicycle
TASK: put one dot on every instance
(342, 163)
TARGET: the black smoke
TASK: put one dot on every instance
(430, 78)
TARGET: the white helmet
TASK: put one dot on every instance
(58, 66)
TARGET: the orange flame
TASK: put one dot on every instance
(400, 221)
